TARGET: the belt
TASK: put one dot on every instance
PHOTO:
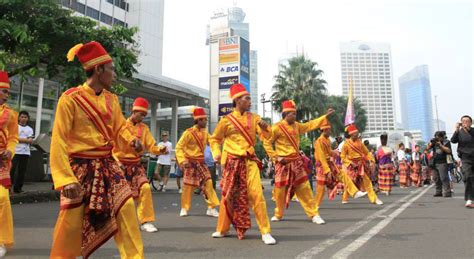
(100, 152)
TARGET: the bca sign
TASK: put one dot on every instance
(229, 70)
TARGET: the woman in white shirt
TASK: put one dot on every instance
(22, 152)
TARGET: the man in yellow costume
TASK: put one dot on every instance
(96, 200)
(355, 156)
(8, 141)
(240, 184)
(134, 172)
(290, 174)
(328, 173)
(190, 155)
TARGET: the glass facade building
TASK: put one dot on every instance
(415, 101)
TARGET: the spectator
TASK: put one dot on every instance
(308, 165)
(464, 136)
(209, 160)
(425, 168)
(164, 162)
(179, 174)
(441, 148)
(22, 152)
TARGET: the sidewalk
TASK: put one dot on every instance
(35, 192)
(42, 191)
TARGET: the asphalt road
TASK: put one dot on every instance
(411, 224)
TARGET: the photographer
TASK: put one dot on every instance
(441, 148)
(464, 136)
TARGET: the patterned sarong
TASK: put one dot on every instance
(234, 193)
(104, 191)
(330, 180)
(339, 188)
(196, 175)
(291, 175)
(5, 166)
(386, 177)
(136, 177)
(404, 172)
(356, 173)
(416, 174)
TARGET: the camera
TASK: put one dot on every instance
(434, 141)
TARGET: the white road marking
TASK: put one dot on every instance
(364, 238)
(338, 237)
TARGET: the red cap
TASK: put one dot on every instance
(90, 54)
(199, 113)
(140, 104)
(4, 81)
(288, 106)
(352, 129)
(238, 90)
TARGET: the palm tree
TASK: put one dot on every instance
(302, 82)
(339, 103)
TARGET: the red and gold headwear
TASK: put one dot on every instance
(4, 81)
(288, 106)
(140, 104)
(199, 113)
(325, 125)
(238, 90)
(352, 129)
(90, 54)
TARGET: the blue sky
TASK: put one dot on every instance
(436, 33)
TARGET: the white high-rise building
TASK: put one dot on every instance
(369, 65)
(146, 15)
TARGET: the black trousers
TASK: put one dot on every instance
(18, 170)
(213, 176)
(468, 173)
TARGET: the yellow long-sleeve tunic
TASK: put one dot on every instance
(348, 154)
(233, 141)
(322, 147)
(283, 146)
(9, 132)
(124, 152)
(74, 132)
(187, 146)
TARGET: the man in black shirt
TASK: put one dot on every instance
(441, 148)
(464, 136)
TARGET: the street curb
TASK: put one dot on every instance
(34, 197)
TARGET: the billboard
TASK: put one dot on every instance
(228, 69)
(244, 58)
(245, 81)
(229, 58)
(234, 67)
(227, 82)
(229, 44)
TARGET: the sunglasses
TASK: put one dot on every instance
(5, 91)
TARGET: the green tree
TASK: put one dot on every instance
(35, 37)
(339, 103)
(302, 82)
(305, 145)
